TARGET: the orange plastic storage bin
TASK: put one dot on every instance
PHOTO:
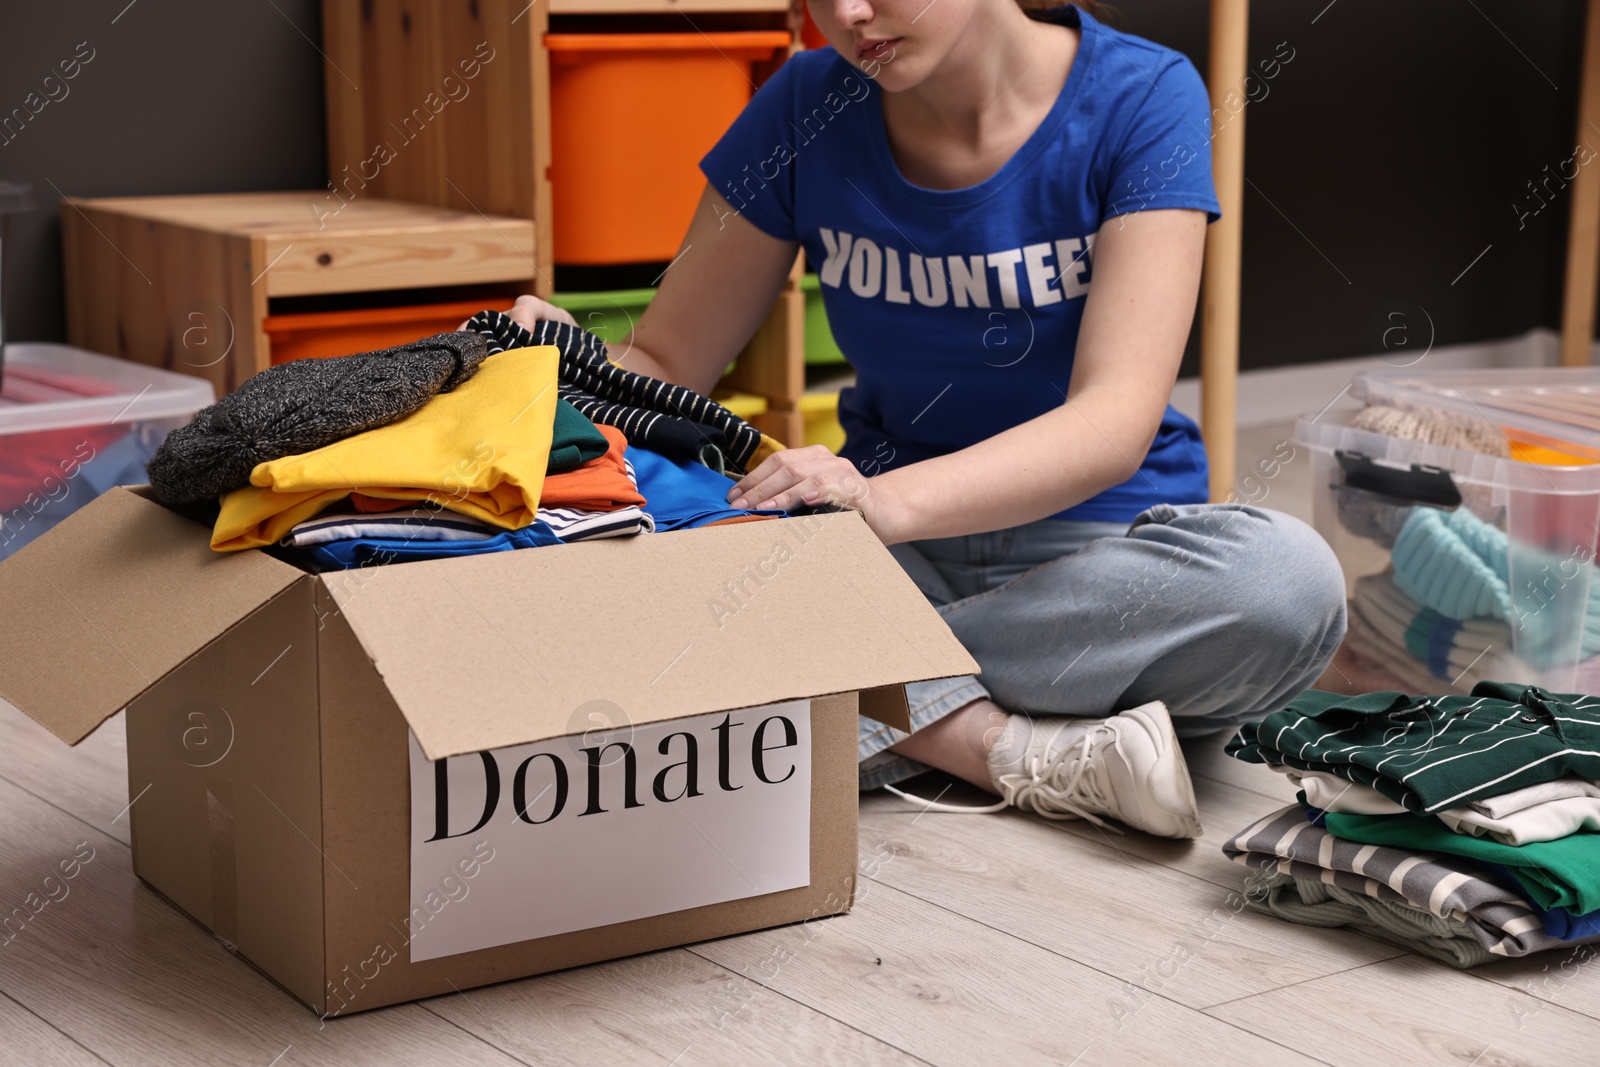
(318, 334)
(631, 115)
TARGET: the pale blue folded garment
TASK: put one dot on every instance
(1459, 565)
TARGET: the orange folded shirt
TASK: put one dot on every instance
(599, 485)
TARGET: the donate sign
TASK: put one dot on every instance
(589, 830)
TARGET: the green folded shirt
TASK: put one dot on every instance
(575, 440)
(1431, 753)
(1564, 873)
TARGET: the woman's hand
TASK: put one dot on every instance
(814, 475)
(529, 311)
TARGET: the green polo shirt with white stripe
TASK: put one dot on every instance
(1432, 753)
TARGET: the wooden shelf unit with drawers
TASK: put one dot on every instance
(186, 282)
(492, 151)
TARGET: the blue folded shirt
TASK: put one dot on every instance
(683, 495)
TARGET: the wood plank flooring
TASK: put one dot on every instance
(975, 940)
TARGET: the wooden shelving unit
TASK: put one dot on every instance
(185, 282)
(489, 151)
(438, 157)
(485, 151)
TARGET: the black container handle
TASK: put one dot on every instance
(1420, 484)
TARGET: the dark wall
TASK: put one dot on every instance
(1388, 153)
(181, 96)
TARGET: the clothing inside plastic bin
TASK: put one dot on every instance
(49, 475)
(1502, 585)
(1553, 412)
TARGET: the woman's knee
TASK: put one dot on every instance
(1268, 567)
(1304, 566)
(1291, 596)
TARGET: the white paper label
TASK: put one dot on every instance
(588, 830)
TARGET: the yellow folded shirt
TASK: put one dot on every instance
(480, 449)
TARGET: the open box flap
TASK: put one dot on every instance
(488, 651)
(96, 611)
(887, 704)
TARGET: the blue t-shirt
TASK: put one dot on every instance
(959, 309)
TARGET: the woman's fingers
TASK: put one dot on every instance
(525, 312)
(803, 475)
(764, 470)
(790, 459)
(791, 497)
(759, 495)
(529, 311)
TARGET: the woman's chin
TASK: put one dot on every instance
(895, 76)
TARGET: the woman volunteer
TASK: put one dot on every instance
(1006, 209)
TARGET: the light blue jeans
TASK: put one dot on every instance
(1221, 611)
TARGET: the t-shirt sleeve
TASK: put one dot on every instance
(748, 167)
(1164, 160)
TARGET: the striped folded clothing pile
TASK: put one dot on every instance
(1420, 649)
(1466, 828)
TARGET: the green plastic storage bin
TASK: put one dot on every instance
(610, 316)
(819, 338)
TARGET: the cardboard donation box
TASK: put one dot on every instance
(395, 782)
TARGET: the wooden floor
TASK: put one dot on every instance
(975, 939)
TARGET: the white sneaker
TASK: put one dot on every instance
(1128, 766)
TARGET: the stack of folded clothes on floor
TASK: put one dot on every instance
(485, 440)
(1466, 828)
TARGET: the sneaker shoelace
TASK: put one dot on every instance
(1061, 786)
(1038, 781)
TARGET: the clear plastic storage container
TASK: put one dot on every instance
(1549, 415)
(1460, 566)
(74, 424)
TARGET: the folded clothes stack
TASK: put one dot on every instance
(1466, 828)
(484, 440)
(665, 418)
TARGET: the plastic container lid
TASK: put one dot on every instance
(49, 387)
(1493, 473)
(1557, 408)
